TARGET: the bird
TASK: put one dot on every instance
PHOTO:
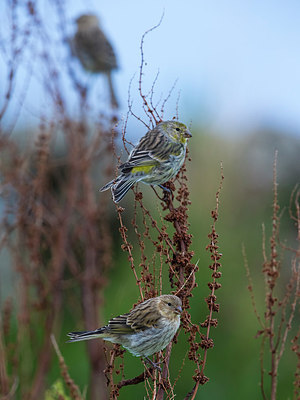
(94, 51)
(148, 328)
(156, 159)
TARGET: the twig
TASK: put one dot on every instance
(138, 379)
(128, 247)
(74, 390)
(148, 110)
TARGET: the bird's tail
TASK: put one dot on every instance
(86, 335)
(113, 98)
(119, 187)
(107, 186)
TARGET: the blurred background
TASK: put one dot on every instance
(236, 67)
(236, 63)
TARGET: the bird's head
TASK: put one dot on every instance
(176, 131)
(87, 21)
(169, 306)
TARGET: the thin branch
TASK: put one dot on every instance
(138, 379)
(73, 388)
(250, 287)
(147, 108)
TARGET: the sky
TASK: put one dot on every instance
(237, 62)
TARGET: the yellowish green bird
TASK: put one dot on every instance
(146, 329)
(156, 159)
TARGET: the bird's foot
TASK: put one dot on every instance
(153, 364)
(165, 189)
(167, 192)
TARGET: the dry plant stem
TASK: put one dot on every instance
(149, 111)
(215, 255)
(250, 287)
(90, 302)
(138, 379)
(4, 379)
(274, 333)
(167, 98)
(113, 395)
(14, 58)
(110, 368)
(272, 275)
(279, 347)
(177, 105)
(57, 265)
(296, 350)
(206, 342)
(78, 86)
(296, 265)
(128, 247)
(146, 277)
(90, 290)
(151, 93)
(73, 388)
(8, 91)
(12, 393)
(262, 370)
(296, 280)
(54, 238)
(154, 224)
(162, 233)
(183, 250)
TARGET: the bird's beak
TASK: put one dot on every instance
(187, 134)
(178, 310)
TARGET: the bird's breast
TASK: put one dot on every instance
(151, 340)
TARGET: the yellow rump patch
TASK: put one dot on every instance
(145, 168)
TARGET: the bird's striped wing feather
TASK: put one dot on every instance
(142, 159)
(97, 47)
(138, 159)
(143, 316)
(153, 148)
(119, 324)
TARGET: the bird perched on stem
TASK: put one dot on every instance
(94, 51)
(156, 159)
(146, 329)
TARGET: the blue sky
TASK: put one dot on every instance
(237, 63)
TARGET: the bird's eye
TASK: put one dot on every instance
(169, 304)
(177, 129)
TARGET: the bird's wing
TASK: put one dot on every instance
(107, 53)
(119, 324)
(137, 320)
(96, 45)
(143, 316)
(152, 149)
(138, 159)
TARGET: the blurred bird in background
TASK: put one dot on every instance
(94, 51)
(156, 159)
(145, 330)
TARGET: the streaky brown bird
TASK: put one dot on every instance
(146, 329)
(94, 51)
